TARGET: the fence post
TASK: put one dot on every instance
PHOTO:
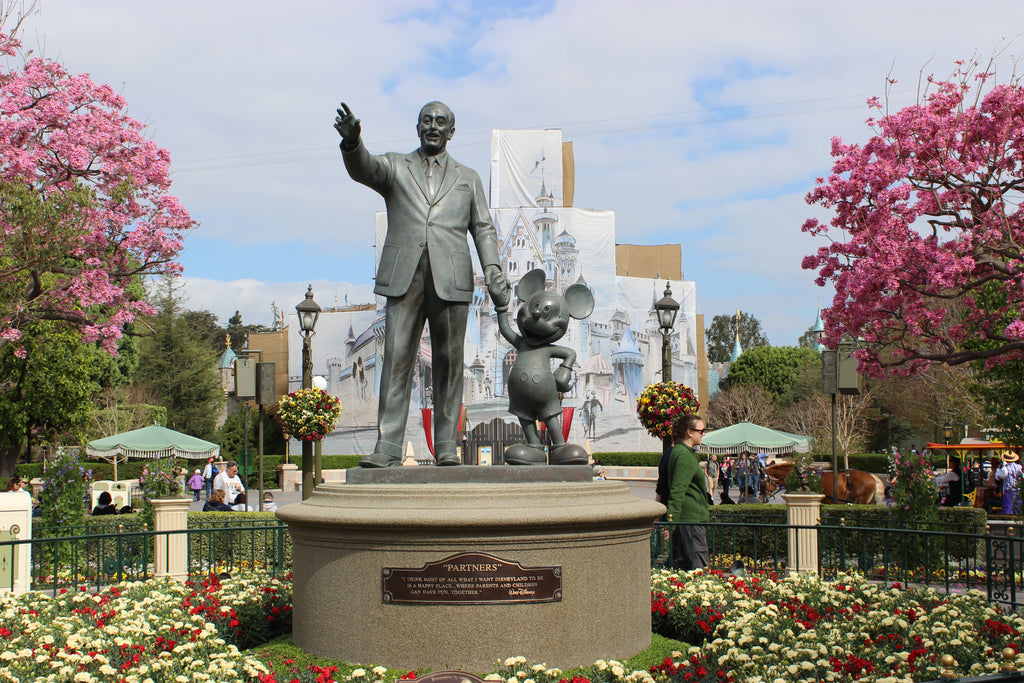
(16, 525)
(170, 552)
(288, 476)
(803, 509)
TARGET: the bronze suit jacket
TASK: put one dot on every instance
(417, 222)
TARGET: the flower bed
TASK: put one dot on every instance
(756, 629)
(159, 630)
(800, 628)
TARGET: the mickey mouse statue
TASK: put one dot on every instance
(532, 387)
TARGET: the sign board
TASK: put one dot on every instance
(850, 382)
(471, 579)
(265, 389)
(829, 372)
(245, 377)
(483, 455)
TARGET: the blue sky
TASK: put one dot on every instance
(698, 123)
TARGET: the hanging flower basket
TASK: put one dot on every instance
(308, 414)
(659, 405)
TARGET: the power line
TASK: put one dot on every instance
(634, 124)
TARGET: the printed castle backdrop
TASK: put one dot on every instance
(618, 347)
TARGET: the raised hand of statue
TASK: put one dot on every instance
(497, 286)
(347, 124)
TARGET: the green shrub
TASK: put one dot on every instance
(741, 538)
(224, 542)
(959, 520)
(758, 542)
(877, 463)
(625, 459)
(340, 462)
(28, 470)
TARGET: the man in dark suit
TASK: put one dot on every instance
(425, 271)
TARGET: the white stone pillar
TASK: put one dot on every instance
(289, 477)
(16, 525)
(803, 509)
(170, 556)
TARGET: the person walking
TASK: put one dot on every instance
(713, 471)
(195, 483)
(754, 474)
(687, 495)
(1008, 475)
(725, 476)
(740, 473)
(209, 472)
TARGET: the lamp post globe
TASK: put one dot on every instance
(667, 308)
(308, 311)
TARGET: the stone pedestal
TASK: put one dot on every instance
(803, 509)
(170, 554)
(347, 537)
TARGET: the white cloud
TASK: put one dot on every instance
(703, 123)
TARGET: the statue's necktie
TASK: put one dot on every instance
(431, 178)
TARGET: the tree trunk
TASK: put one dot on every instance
(9, 456)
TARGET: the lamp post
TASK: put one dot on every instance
(308, 311)
(947, 433)
(830, 385)
(667, 308)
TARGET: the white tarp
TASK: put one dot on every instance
(618, 347)
(525, 165)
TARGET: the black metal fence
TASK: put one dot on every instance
(950, 561)
(95, 560)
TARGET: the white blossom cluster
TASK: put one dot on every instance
(141, 632)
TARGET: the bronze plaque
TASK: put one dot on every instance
(472, 579)
(449, 677)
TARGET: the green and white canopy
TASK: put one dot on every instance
(151, 443)
(747, 436)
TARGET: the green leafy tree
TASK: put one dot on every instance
(998, 387)
(239, 332)
(786, 372)
(808, 339)
(207, 328)
(721, 335)
(46, 395)
(230, 435)
(122, 409)
(1001, 390)
(180, 368)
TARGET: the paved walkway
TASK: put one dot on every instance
(282, 498)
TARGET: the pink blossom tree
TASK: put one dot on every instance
(84, 202)
(925, 242)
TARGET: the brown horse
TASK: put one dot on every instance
(855, 486)
(775, 478)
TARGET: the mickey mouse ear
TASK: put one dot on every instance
(580, 301)
(530, 284)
